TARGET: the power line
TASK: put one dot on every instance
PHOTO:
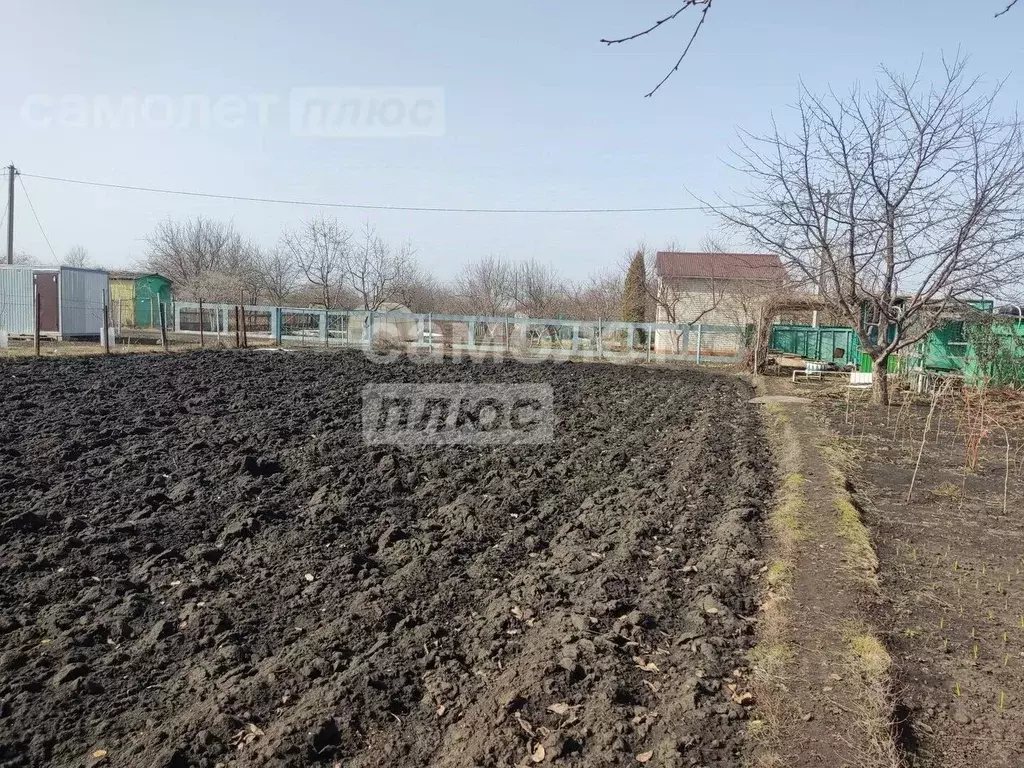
(36, 215)
(365, 206)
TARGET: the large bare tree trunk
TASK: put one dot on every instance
(880, 381)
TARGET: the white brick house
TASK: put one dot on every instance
(713, 289)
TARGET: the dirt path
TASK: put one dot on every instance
(823, 676)
(204, 564)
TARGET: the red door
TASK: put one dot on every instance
(49, 311)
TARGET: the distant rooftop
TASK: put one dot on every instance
(125, 274)
(726, 266)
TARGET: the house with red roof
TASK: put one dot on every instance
(714, 289)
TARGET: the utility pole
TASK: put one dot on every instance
(11, 172)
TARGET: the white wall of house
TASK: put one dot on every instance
(712, 302)
(709, 303)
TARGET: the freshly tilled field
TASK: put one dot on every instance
(203, 564)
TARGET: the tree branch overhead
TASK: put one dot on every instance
(704, 5)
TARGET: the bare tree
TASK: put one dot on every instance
(538, 290)
(194, 254)
(375, 270)
(238, 277)
(77, 256)
(421, 292)
(899, 203)
(321, 250)
(599, 297)
(487, 286)
(278, 274)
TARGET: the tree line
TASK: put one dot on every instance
(320, 263)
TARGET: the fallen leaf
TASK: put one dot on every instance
(560, 708)
(538, 754)
(644, 757)
(524, 725)
(100, 753)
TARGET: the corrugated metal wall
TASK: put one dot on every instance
(81, 301)
(16, 300)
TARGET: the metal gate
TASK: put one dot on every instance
(836, 344)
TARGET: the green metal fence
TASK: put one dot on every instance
(835, 344)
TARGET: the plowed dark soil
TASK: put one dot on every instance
(202, 564)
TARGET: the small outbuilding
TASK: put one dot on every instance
(70, 300)
(135, 299)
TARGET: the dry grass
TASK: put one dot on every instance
(773, 655)
(785, 520)
(859, 552)
(51, 349)
(780, 574)
(769, 663)
(872, 663)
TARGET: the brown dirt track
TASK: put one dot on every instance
(582, 602)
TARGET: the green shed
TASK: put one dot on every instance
(150, 292)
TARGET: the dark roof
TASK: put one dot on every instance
(124, 274)
(727, 266)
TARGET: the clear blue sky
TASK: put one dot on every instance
(537, 112)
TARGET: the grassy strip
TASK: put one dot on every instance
(860, 553)
(867, 655)
(772, 656)
(873, 709)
